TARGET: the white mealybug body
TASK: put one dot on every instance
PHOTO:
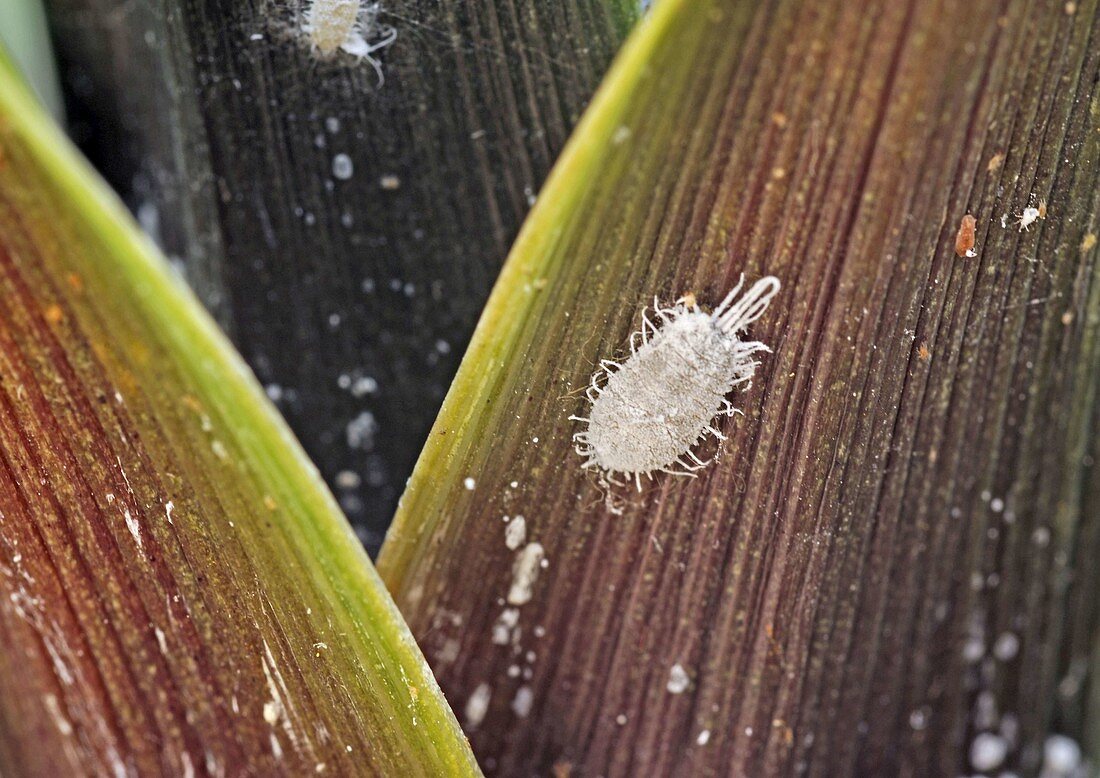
(649, 411)
(350, 26)
(1027, 218)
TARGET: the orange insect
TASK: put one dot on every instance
(964, 240)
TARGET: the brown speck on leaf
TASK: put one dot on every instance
(779, 119)
(964, 240)
(995, 161)
(54, 314)
(269, 502)
(1071, 8)
(1067, 318)
(923, 353)
(786, 733)
(1088, 242)
(1042, 209)
(562, 769)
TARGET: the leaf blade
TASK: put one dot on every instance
(198, 534)
(230, 127)
(819, 582)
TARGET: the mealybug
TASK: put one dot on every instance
(330, 23)
(350, 26)
(1030, 216)
(659, 403)
(1027, 218)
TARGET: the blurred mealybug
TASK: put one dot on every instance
(350, 26)
(660, 401)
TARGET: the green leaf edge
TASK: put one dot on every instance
(27, 38)
(354, 587)
(501, 321)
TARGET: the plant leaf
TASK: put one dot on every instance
(180, 591)
(892, 553)
(25, 36)
(351, 295)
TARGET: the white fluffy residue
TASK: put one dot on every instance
(478, 705)
(678, 680)
(342, 167)
(1061, 758)
(524, 699)
(515, 533)
(988, 751)
(525, 572)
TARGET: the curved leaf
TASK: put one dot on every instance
(891, 555)
(180, 591)
(352, 294)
